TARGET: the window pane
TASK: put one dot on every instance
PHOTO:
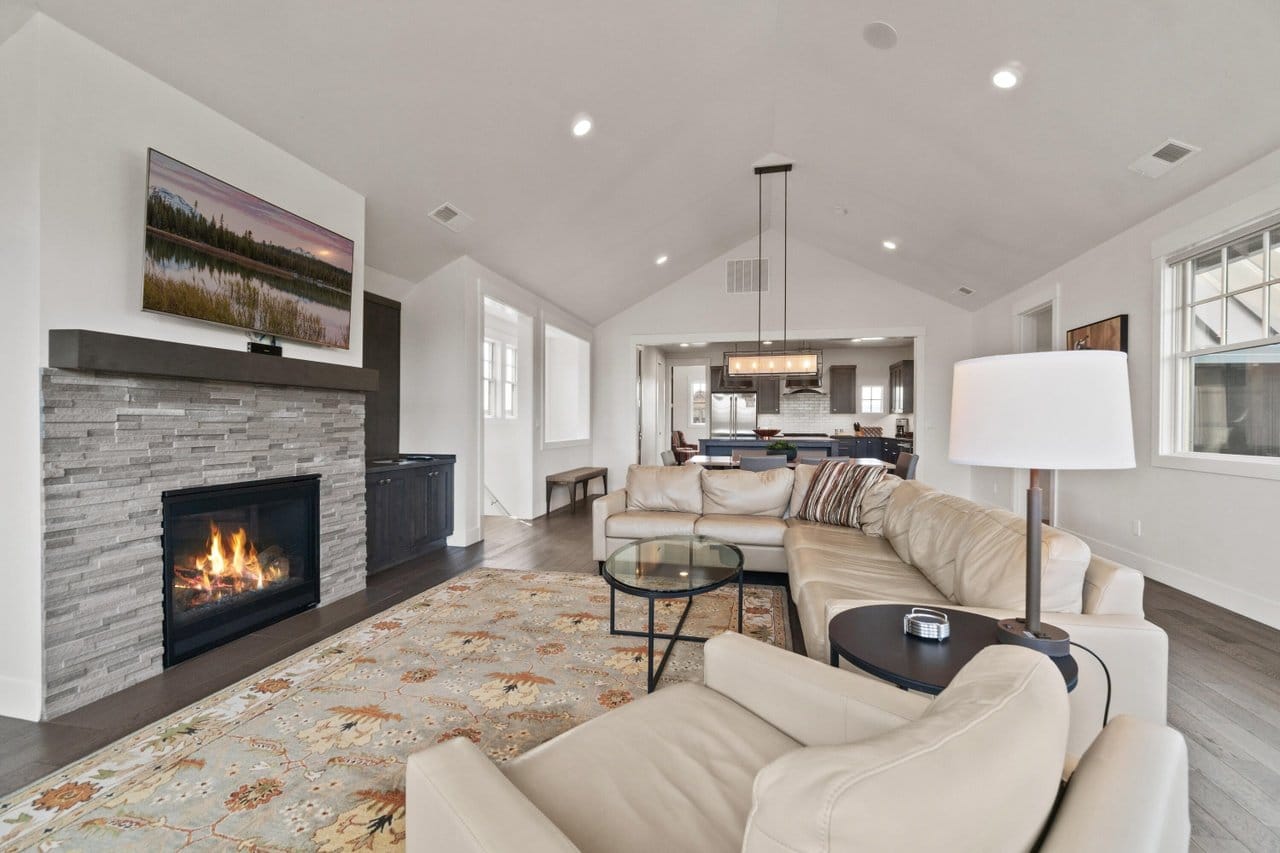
(1275, 254)
(1206, 273)
(1244, 264)
(1236, 402)
(1244, 317)
(1206, 325)
(1275, 310)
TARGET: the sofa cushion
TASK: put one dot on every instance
(803, 476)
(622, 781)
(898, 512)
(747, 492)
(823, 588)
(665, 488)
(991, 564)
(1006, 712)
(638, 524)
(939, 523)
(743, 529)
(875, 504)
(836, 492)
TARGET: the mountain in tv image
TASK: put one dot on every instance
(217, 253)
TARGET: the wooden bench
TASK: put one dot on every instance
(572, 478)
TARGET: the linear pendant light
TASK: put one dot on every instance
(783, 362)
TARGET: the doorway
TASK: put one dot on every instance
(506, 396)
(1036, 331)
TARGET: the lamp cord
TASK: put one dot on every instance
(1106, 708)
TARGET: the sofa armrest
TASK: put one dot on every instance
(1128, 794)
(816, 704)
(1135, 651)
(457, 799)
(603, 507)
(1111, 588)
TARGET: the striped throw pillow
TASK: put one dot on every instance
(836, 492)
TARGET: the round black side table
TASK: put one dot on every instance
(871, 638)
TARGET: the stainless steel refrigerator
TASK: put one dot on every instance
(733, 415)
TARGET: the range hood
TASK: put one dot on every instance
(803, 385)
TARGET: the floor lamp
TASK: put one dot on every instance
(1066, 410)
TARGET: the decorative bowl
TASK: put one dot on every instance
(766, 433)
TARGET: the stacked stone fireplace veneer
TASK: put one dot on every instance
(110, 445)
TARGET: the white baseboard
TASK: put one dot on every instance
(468, 536)
(1233, 598)
(20, 698)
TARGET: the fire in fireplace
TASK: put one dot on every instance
(236, 558)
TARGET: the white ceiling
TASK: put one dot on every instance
(415, 103)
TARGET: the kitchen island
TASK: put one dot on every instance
(854, 446)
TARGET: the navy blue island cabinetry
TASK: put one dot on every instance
(728, 446)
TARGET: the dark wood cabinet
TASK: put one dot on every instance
(768, 396)
(890, 450)
(722, 382)
(408, 510)
(382, 353)
(902, 388)
(842, 389)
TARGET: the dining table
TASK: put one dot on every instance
(731, 462)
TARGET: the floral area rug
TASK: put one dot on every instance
(309, 754)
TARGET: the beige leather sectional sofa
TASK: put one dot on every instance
(916, 545)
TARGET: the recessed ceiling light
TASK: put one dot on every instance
(880, 35)
(1006, 78)
(684, 345)
(889, 245)
(582, 125)
(865, 340)
(767, 343)
(660, 260)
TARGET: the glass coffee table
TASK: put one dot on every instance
(670, 567)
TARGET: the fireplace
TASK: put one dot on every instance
(236, 558)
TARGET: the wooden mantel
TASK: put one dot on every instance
(82, 349)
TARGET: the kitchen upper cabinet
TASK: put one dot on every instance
(722, 382)
(902, 388)
(769, 397)
(842, 389)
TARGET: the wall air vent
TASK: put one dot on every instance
(450, 217)
(1164, 158)
(749, 275)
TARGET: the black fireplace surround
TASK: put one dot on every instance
(237, 557)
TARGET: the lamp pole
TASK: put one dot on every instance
(1035, 512)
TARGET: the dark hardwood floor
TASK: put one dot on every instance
(1224, 680)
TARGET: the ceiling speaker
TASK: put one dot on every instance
(880, 35)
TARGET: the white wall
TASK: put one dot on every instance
(78, 122)
(442, 328)
(684, 374)
(21, 606)
(100, 114)
(386, 284)
(1208, 534)
(830, 298)
(652, 368)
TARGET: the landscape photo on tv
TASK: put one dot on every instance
(220, 254)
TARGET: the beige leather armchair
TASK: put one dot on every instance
(775, 752)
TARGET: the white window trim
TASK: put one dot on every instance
(1168, 414)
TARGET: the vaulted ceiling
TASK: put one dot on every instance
(415, 103)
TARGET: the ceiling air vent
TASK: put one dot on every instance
(1163, 159)
(964, 291)
(749, 275)
(450, 217)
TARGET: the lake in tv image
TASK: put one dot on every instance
(218, 253)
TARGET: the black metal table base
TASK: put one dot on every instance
(650, 635)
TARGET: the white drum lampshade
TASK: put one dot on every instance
(1045, 410)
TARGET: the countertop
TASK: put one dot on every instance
(409, 460)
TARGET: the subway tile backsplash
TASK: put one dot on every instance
(812, 413)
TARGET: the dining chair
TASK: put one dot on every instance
(739, 455)
(906, 467)
(762, 463)
(668, 457)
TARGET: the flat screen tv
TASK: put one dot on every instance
(220, 254)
